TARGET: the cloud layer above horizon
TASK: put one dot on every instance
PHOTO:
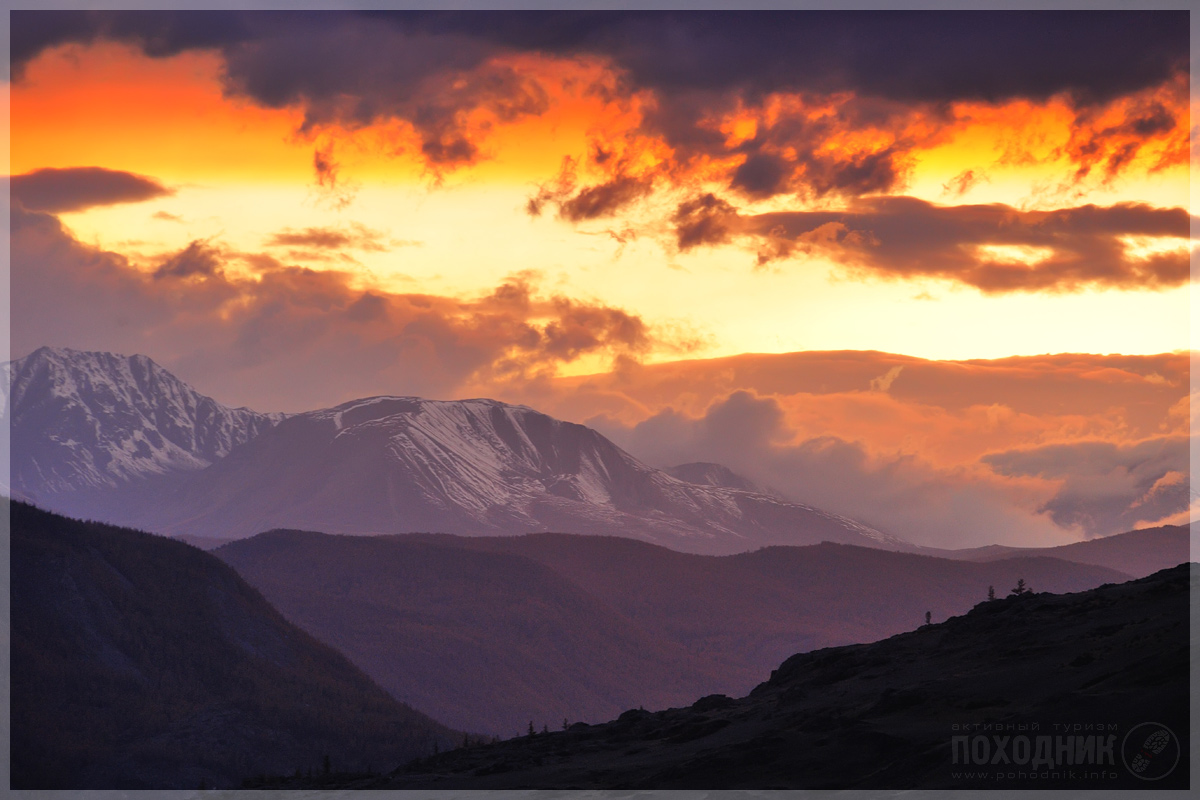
(293, 209)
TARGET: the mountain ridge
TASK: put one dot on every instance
(426, 614)
(103, 436)
(391, 464)
(86, 422)
(139, 661)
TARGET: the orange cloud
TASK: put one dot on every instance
(1046, 446)
(935, 475)
(78, 188)
(261, 332)
(994, 248)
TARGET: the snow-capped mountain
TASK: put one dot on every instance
(83, 423)
(403, 464)
(707, 473)
(121, 439)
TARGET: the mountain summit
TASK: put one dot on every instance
(477, 467)
(119, 438)
(87, 421)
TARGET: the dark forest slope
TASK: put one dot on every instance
(142, 662)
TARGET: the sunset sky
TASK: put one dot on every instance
(599, 214)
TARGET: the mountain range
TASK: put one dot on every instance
(1137, 553)
(490, 633)
(1038, 691)
(121, 439)
(417, 537)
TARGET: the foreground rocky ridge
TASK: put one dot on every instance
(885, 715)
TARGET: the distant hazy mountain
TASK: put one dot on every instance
(881, 715)
(482, 641)
(142, 662)
(477, 467)
(84, 424)
(489, 633)
(1137, 553)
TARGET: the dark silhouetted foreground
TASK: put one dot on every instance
(142, 662)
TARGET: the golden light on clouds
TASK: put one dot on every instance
(107, 105)
(241, 173)
(839, 231)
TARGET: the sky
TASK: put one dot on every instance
(846, 253)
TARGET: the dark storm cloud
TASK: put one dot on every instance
(905, 237)
(158, 33)
(439, 70)
(351, 70)
(376, 59)
(76, 188)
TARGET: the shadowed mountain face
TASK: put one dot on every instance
(476, 467)
(87, 427)
(140, 662)
(584, 627)
(1088, 670)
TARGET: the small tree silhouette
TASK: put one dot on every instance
(531, 727)
(928, 616)
(1020, 588)
(565, 723)
(545, 728)
(991, 593)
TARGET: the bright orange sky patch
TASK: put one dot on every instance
(109, 106)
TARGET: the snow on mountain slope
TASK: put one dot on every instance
(86, 421)
(706, 473)
(481, 467)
